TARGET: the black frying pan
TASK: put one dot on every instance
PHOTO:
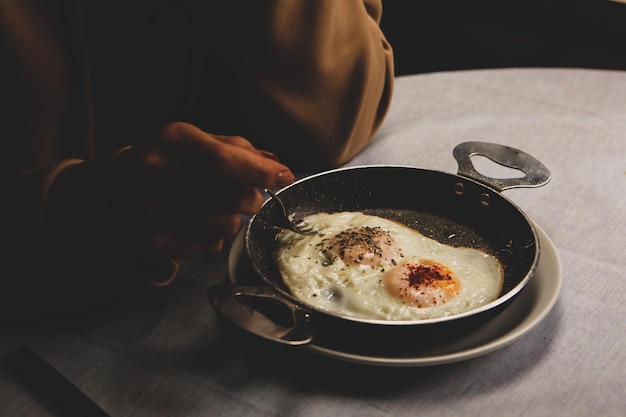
(460, 210)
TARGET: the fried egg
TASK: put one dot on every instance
(370, 267)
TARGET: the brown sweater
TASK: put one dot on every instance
(308, 80)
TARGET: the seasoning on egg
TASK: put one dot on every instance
(418, 275)
(360, 245)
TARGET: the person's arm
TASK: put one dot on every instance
(33, 104)
(86, 232)
(316, 75)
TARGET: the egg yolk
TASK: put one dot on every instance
(422, 283)
(362, 245)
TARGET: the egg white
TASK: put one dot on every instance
(358, 290)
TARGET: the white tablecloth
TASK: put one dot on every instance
(169, 355)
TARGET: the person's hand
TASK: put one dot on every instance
(181, 193)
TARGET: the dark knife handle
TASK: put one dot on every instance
(49, 382)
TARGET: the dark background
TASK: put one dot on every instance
(443, 35)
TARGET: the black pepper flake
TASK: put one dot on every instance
(367, 239)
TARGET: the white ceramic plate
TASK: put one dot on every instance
(527, 310)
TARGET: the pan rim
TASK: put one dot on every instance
(313, 310)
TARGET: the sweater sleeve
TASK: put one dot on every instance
(315, 76)
(61, 251)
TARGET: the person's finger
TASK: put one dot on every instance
(237, 199)
(190, 200)
(245, 144)
(193, 220)
(253, 169)
(172, 246)
(268, 154)
(234, 140)
(233, 157)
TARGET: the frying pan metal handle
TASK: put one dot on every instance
(230, 300)
(536, 174)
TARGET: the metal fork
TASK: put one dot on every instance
(285, 222)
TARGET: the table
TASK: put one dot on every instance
(168, 354)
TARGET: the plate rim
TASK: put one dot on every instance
(548, 276)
